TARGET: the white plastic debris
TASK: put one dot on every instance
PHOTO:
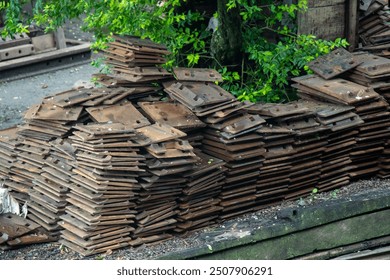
(8, 204)
(213, 24)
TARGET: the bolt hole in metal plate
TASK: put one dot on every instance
(196, 94)
(47, 111)
(197, 74)
(333, 64)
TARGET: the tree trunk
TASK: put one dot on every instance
(226, 44)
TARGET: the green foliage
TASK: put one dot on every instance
(145, 18)
(273, 51)
(270, 64)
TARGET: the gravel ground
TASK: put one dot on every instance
(54, 251)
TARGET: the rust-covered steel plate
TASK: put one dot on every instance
(158, 133)
(71, 98)
(197, 94)
(372, 65)
(171, 113)
(197, 74)
(334, 63)
(45, 111)
(339, 89)
(278, 110)
(124, 113)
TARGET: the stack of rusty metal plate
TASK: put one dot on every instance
(31, 155)
(274, 179)
(53, 117)
(196, 89)
(199, 201)
(367, 70)
(167, 158)
(100, 211)
(8, 143)
(176, 115)
(344, 127)
(230, 135)
(17, 185)
(236, 142)
(50, 188)
(374, 29)
(307, 148)
(373, 71)
(370, 107)
(134, 60)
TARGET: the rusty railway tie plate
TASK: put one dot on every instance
(197, 74)
(333, 64)
(171, 113)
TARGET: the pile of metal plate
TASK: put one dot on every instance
(8, 143)
(168, 157)
(374, 29)
(17, 185)
(100, 211)
(199, 201)
(176, 115)
(230, 135)
(53, 117)
(134, 60)
(306, 149)
(50, 188)
(236, 142)
(16, 231)
(30, 157)
(197, 91)
(274, 179)
(370, 107)
(373, 71)
(344, 127)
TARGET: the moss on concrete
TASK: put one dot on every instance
(302, 230)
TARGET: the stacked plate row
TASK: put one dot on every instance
(18, 186)
(49, 193)
(274, 178)
(133, 60)
(167, 158)
(370, 107)
(374, 30)
(199, 202)
(100, 212)
(304, 152)
(343, 124)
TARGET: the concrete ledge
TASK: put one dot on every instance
(300, 230)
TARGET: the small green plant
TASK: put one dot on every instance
(334, 193)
